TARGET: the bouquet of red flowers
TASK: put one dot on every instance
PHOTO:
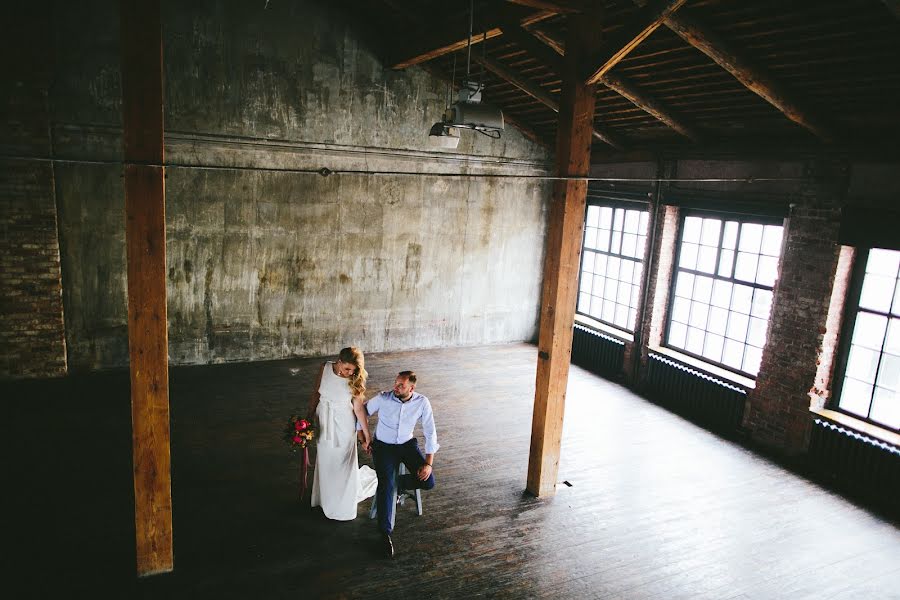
(298, 434)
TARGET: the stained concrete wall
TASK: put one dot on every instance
(265, 261)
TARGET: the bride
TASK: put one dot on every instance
(339, 484)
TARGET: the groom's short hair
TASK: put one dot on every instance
(408, 375)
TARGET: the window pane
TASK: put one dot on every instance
(593, 216)
(584, 302)
(624, 294)
(609, 311)
(635, 296)
(603, 240)
(699, 313)
(596, 306)
(745, 268)
(709, 235)
(684, 285)
(629, 244)
(892, 343)
(626, 269)
(855, 396)
(632, 219)
(615, 244)
(771, 241)
(877, 292)
(718, 319)
(641, 245)
(895, 310)
(721, 294)
(688, 259)
(612, 267)
(695, 340)
(638, 271)
(590, 238)
(741, 299)
(606, 217)
(726, 262)
(752, 358)
(733, 355)
(645, 218)
(862, 363)
(886, 407)
(599, 281)
(681, 308)
(889, 372)
(692, 227)
(729, 236)
(706, 260)
(883, 262)
(768, 270)
(762, 304)
(756, 335)
(751, 238)
(712, 347)
(600, 264)
(703, 289)
(677, 335)
(586, 281)
(869, 330)
(611, 289)
(621, 316)
(618, 219)
(632, 317)
(737, 326)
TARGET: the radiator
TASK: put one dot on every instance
(596, 352)
(701, 398)
(855, 461)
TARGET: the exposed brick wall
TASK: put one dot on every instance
(778, 414)
(32, 334)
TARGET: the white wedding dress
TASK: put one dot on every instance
(339, 483)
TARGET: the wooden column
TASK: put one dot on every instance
(561, 263)
(145, 240)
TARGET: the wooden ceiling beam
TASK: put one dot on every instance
(538, 93)
(648, 103)
(429, 53)
(754, 78)
(629, 37)
(624, 88)
(558, 6)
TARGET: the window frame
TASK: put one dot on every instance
(607, 202)
(848, 324)
(724, 216)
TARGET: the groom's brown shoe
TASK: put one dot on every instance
(388, 545)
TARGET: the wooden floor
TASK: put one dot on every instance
(657, 508)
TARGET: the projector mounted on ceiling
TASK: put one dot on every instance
(467, 112)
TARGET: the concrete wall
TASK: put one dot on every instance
(266, 260)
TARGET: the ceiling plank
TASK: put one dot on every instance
(629, 37)
(431, 52)
(754, 78)
(538, 93)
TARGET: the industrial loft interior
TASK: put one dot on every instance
(641, 256)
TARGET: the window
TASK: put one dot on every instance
(612, 264)
(726, 269)
(871, 387)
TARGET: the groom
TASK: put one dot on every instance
(398, 412)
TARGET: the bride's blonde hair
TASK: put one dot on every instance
(357, 381)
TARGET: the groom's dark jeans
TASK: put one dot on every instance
(387, 458)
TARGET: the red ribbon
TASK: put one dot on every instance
(304, 469)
